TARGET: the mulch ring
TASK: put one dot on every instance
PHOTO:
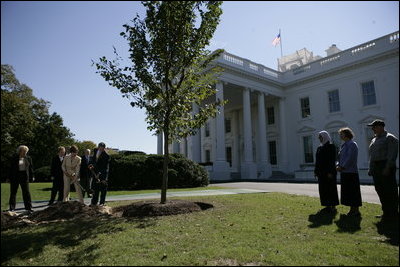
(155, 208)
(62, 211)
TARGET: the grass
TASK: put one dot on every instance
(255, 229)
(42, 191)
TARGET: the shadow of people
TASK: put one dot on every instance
(390, 229)
(350, 224)
(321, 218)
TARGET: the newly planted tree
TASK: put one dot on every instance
(170, 70)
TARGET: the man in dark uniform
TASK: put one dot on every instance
(382, 167)
(84, 174)
(57, 176)
(100, 166)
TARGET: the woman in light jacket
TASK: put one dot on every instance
(71, 166)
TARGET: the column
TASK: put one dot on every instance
(249, 168)
(264, 165)
(196, 140)
(221, 169)
(284, 164)
(160, 144)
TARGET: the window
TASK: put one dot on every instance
(305, 107)
(308, 149)
(207, 129)
(272, 152)
(368, 91)
(208, 155)
(227, 125)
(229, 155)
(334, 103)
(270, 115)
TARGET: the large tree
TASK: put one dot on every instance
(25, 120)
(169, 70)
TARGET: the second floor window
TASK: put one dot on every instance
(305, 107)
(368, 91)
(334, 103)
(207, 129)
(270, 115)
(227, 125)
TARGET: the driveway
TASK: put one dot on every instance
(368, 192)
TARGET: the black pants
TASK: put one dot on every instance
(99, 188)
(58, 186)
(386, 188)
(350, 191)
(23, 180)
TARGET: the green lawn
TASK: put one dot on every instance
(252, 229)
(41, 191)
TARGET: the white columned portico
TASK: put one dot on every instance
(265, 166)
(284, 164)
(160, 144)
(221, 166)
(248, 168)
(196, 140)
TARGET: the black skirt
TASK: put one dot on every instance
(328, 193)
(350, 190)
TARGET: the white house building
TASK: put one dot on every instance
(271, 122)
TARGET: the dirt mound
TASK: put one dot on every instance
(57, 212)
(62, 211)
(11, 219)
(68, 210)
(154, 208)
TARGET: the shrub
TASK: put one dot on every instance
(42, 174)
(139, 171)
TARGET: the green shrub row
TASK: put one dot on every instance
(141, 171)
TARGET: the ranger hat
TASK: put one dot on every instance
(377, 123)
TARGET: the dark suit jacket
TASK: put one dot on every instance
(84, 171)
(15, 167)
(55, 169)
(325, 160)
(101, 164)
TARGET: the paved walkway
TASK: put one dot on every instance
(367, 192)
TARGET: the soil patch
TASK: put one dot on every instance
(155, 208)
(62, 211)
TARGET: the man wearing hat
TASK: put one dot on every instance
(382, 167)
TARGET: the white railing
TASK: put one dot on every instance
(377, 46)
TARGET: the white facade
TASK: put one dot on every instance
(267, 127)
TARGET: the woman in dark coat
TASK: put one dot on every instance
(21, 174)
(325, 171)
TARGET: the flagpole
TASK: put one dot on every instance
(280, 42)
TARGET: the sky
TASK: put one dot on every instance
(51, 46)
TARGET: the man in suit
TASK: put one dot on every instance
(100, 166)
(84, 174)
(57, 176)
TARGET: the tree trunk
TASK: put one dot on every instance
(165, 170)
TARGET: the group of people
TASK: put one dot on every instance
(383, 151)
(88, 174)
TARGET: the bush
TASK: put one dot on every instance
(139, 171)
(42, 174)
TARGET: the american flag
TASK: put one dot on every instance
(277, 40)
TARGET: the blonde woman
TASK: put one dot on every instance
(70, 167)
(21, 173)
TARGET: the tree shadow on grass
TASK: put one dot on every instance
(321, 218)
(349, 224)
(390, 229)
(29, 242)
